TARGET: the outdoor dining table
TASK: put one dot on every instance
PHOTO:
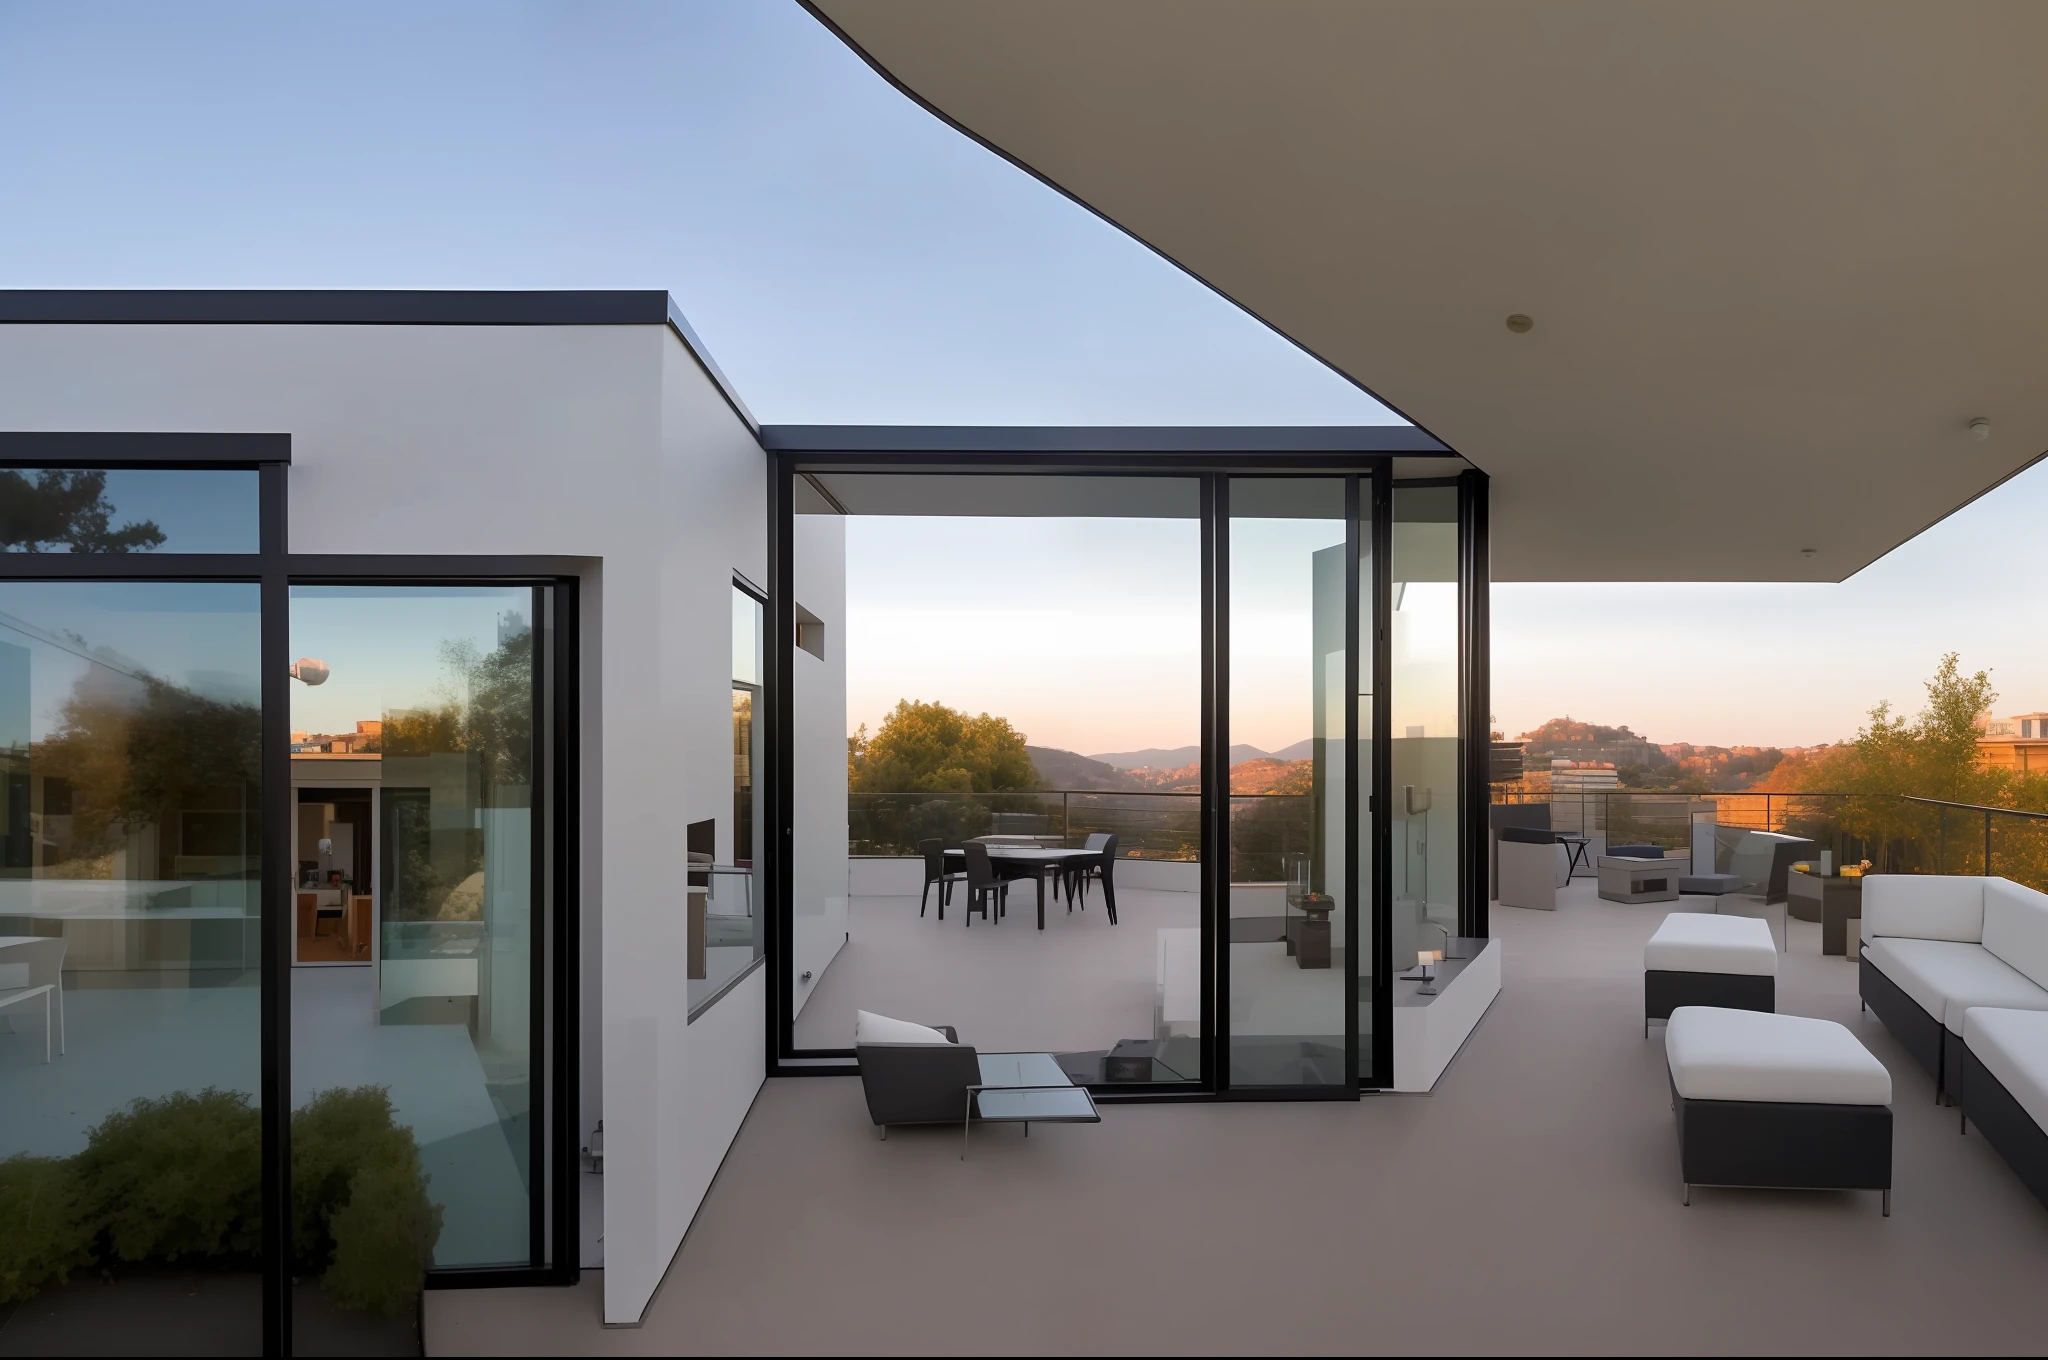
(1035, 862)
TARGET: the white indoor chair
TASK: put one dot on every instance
(31, 970)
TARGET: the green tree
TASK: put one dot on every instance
(930, 748)
(69, 507)
(931, 771)
(1932, 754)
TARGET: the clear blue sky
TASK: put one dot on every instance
(848, 258)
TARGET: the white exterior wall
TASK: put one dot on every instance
(601, 442)
(818, 876)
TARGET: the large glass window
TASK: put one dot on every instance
(725, 929)
(1289, 700)
(128, 510)
(418, 909)
(1426, 819)
(130, 1029)
(996, 745)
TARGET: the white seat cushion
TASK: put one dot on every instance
(1923, 906)
(2013, 1046)
(1696, 942)
(1718, 1054)
(2016, 927)
(869, 1028)
(1947, 977)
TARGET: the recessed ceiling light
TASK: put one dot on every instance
(1519, 324)
(1809, 552)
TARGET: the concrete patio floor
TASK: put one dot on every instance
(1530, 1204)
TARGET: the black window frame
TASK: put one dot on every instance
(556, 1222)
(1370, 480)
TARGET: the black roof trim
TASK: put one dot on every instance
(1147, 439)
(141, 448)
(331, 307)
(364, 307)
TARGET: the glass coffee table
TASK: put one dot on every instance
(1027, 1089)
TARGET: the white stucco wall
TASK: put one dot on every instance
(606, 443)
(818, 876)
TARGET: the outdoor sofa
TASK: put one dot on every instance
(1934, 946)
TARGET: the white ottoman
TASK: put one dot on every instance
(1696, 959)
(1777, 1102)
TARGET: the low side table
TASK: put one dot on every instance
(1578, 850)
(1808, 898)
(1311, 936)
(1841, 904)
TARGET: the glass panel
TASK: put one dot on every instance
(128, 510)
(731, 924)
(748, 661)
(1424, 711)
(415, 844)
(1361, 807)
(1288, 696)
(1016, 660)
(130, 849)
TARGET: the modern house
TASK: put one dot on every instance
(572, 878)
(2016, 743)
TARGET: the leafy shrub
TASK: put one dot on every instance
(176, 1176)
(361, 1219)
(46, 1237)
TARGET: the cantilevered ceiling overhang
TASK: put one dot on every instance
(1778, 256)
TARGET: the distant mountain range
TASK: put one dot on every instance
(1066, 770)
(1251, 770)
(1156, 759)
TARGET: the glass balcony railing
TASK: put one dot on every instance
(1897, 833)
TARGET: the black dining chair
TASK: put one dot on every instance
(986, 893)
(1075, 873)
(1102, 867)
(934, 852)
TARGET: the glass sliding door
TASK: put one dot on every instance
(1290, 697)
(418, 724)
(1427, 819)
(1374, 1045)
(130, 965)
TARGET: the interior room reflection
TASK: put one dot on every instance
(413, 843)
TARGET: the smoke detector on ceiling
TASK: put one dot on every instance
(1809, 552)
(1520, 325)
(1980, 428)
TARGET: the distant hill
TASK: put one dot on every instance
(1169, 779)
(1156, 759)
(1272, 776)
(1066, 770)
(1263, 775)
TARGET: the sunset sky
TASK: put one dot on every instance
(849, 259)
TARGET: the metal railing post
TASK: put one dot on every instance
(1987, 842)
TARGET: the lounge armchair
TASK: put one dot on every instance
(910, 1073)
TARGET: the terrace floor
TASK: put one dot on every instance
(1081, 983)
(1530, 1204)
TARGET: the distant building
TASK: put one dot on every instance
(2016, 743)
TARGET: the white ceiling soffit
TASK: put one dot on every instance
(1777, 255)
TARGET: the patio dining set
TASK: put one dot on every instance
(989, 866)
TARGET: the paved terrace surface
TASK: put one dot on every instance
(1530, 1204)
